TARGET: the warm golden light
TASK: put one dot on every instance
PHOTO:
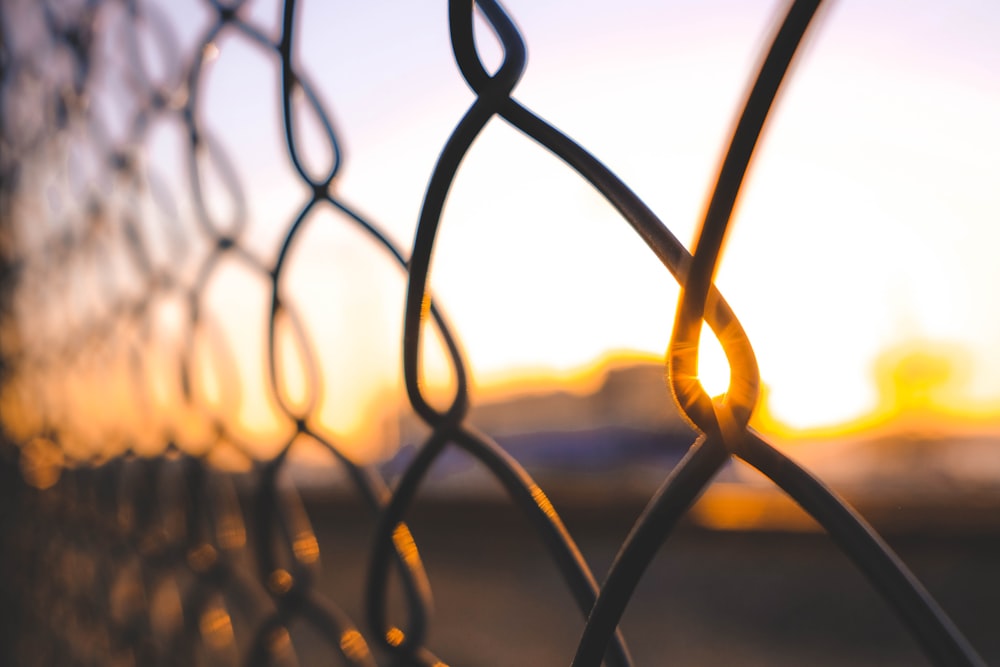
(216, 628)
(926, 433)
(305, 547)
(920, 385)
(406, 546)
(713, 367)
(543, 502)
(394, 636)
(353, 645)
(738, 507)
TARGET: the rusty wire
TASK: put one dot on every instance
(245, 558)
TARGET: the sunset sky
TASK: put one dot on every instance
(869, 219)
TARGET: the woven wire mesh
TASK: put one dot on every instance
(95, 241)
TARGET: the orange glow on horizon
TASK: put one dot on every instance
(922, 387)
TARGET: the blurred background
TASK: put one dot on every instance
(140, 272)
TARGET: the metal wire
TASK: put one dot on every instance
(119, 525)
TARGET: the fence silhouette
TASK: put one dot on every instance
(102, 531)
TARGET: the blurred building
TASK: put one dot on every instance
(634, 396)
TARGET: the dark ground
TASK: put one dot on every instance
(710, 598)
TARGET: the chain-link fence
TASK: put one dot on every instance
(134, 542)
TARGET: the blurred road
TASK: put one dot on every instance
(710, 598)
